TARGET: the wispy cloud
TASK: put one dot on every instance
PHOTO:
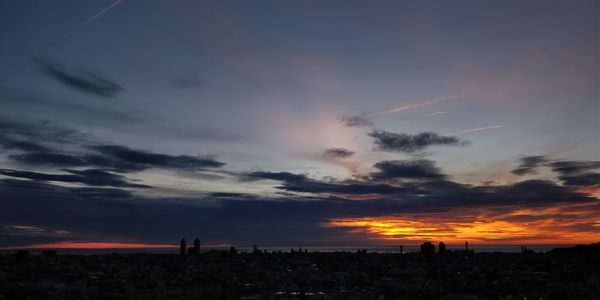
(336, 153)
(529, 165)
(361, 120)
(87, 82)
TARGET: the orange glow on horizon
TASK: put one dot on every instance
(525, 226)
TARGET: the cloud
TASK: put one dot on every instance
(301, 183)
(336, 153)
(76, 160)
(96, 211)
(90, 177)
(86, 82)
(227, 195)
(577, 173)
(30, 230)
(114, 157)
(27, 136)
(342, 188)
(574, 167)
(279, 176)
(100, 212)
(585, 179)
(429, 194)
(107, 208)
(11, 144)
(572, 173)
(410, 144)
(361, 120)
(406, 169)
(150, 159)
(529, 165)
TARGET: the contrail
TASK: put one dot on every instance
(43, 50)
(409, 106)
(435, 113)
(96, 16)
(413, 105)
(474, 129)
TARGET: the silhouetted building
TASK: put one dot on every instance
(197, 247)
(401, 249)
(22, 255)
(182, 247)
(442, 248)
(232, 250)
(466, 246)
(524, 250)
(254, 249)
(49, 253)
(427, 249)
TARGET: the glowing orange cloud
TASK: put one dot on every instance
(592, 190)
(524, 226)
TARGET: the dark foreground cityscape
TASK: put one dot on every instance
(562, 273)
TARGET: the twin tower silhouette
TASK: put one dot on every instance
(184, 250)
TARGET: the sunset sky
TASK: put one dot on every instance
(321, 123)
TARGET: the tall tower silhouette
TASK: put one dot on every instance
(442, 248)
(466, 245)
(427, 250)
(182, 247)
(196, 246)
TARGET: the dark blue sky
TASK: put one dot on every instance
(336, 122)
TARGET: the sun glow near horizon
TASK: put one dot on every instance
(525, 226)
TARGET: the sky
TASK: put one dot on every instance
(321, 123)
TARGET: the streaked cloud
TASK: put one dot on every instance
(362, 120)
(338, 153)
(88, 82)
(529, 165)
(89, 177)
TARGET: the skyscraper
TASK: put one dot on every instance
(197, 247)
(182, 247)
(442, 247)
(427, 249)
